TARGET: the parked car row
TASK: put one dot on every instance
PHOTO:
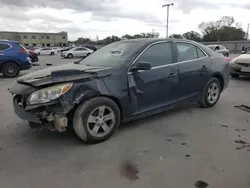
(120, 82)
(14, 57)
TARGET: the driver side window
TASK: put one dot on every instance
(157, 54)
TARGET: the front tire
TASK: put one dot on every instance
(52, 53)
(10, 70)
(211, 93)
(70, 56)
(96, 120)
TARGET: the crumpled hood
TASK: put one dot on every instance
(244, 58)
(64, 73)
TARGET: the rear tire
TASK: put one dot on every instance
(96, 120)
(10, 70)
(211, 93)
(70, 56)
(226, 55)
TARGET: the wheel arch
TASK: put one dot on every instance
(116, 100)
(220, 78)
(10, 61)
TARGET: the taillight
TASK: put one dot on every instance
(23, 51)
(228, 59)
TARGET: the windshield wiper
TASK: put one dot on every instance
(77, 62)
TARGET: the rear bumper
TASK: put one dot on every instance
(25, 65)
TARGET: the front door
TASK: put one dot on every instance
(194, 66)
(3, 48)
(155, 88)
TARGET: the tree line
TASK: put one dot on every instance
(224, 29)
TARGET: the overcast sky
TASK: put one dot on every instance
(102, 18)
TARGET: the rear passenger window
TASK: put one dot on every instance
(158, 54)
(186, 52)
(4, 47)
(200, 53)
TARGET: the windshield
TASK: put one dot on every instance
(112, 55)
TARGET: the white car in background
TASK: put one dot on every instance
(47, 51)
(220, 49)
(37, 49)
(77, 52)
(240, 65)
(57, 49)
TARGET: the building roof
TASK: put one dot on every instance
(62, 32)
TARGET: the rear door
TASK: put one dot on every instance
(194, 69)
(155, 88)
(3, 51)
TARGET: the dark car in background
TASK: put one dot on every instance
(120, 82)
(13, 58)
(66, 49)
(33, 56)
(90, 47)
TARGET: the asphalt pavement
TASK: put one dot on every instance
(184, 147)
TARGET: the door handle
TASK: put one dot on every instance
(204, 67)
(172, 75)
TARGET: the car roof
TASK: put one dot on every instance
(8, 41)
(153, 40)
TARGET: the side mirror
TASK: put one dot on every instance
(142, 65)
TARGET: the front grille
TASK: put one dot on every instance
(244, 64)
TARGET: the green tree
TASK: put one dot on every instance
(192, 35)
(82, 40)
(176, 36)
(141, 35)
(225, 29)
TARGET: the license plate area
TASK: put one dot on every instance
(245, 69)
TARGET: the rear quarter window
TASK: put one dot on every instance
(4, 46)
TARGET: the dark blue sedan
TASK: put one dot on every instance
(120, 82)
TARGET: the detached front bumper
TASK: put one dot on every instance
(52, 115)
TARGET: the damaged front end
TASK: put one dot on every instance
(47, 97)
(52, 114)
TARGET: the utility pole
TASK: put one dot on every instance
(248, 31)
(167, 5)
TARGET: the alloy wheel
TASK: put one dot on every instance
(213, 93)
(101, 121)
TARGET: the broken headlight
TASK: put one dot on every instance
(48, 94)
